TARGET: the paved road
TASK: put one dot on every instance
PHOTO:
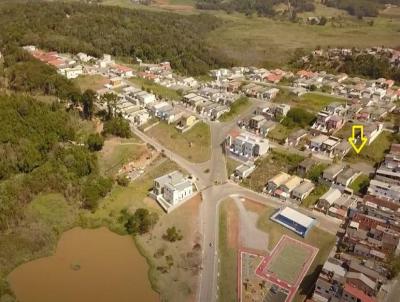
(214, 188)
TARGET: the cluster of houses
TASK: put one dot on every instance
(286, 186)
(359, 269)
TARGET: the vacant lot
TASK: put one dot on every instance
(270, 166)
(375, 152)
(237, 108)
(161, 91)
(315, 237)
(228, 249)
(193, 145)
(360, 184)
(94, 82)
(263, 41)
(117, 152)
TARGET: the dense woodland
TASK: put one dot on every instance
(260, 7)
(360, 8)
(96, 29)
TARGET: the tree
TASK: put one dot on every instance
(95, 142)
(122, 180)
(141, 222)
(110, 100)
(172, 235)
(117, 126)
(93, 189)
(88, 99)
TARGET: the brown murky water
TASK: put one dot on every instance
(88, 266)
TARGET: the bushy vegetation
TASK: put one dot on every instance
(95, 142)
(95, 29)
(359, 8)
(260, 7)
(25, 73)
(38, 155)
(117, 126)
(140, 222)
(298, 117)
(172, 234)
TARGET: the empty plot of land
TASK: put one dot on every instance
(194, 144)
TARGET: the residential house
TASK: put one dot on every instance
(305, 166)
(173, 188)
(346, 177)
(328, 199)
(382, 189)
(285, 189)
(276, 181)
(352, 294)
(247, 145)
(329, 175)
(303, 190)
(244, 170)
(295, 137)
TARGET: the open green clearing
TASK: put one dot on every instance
(159, 90)
(237, 108)
(231, 165)
(360, 184)
(280, 133)
(93, 82)
(271, 165)
(193, 145)
(117, 152)
(375, 152)
(227, 280)
(315, 237)
(312, 199)
(288, 264)
(264, 41)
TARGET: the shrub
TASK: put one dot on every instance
(95, 142)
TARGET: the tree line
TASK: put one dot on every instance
(96, 29)
(263, 8)
(360, 8)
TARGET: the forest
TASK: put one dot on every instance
(360, 8)
(263, 8)
(95, 29)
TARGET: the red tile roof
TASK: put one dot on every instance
(357, 293)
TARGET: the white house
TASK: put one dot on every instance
(71, 72)
(173, 188)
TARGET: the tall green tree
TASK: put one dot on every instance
(88, 99)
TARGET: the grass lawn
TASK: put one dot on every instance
(231, 165)
(316, 237)
(94, 82)
(117, 152)
(263, 41)
(375, 152)
(269, 166)
(237, 108)
(193, 145)
(161, 91)
(227, 250)
(312, 199)
(315, 102)
(279, 133)
(360, 184)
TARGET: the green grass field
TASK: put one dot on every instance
(117, 152)
(280, 133)
(193, 145)
(315, 237)
(227, 280)
(312, 199)
(360, 184)
(237, 108)
(287, 265)
(161, 91)
(264, 41)
(270, 166)
(94, 82)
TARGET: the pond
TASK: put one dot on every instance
(89, 266)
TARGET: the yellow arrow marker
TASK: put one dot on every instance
(353, 139)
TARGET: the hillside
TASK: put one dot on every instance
(95, 29)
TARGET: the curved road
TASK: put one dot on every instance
(215, 187)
